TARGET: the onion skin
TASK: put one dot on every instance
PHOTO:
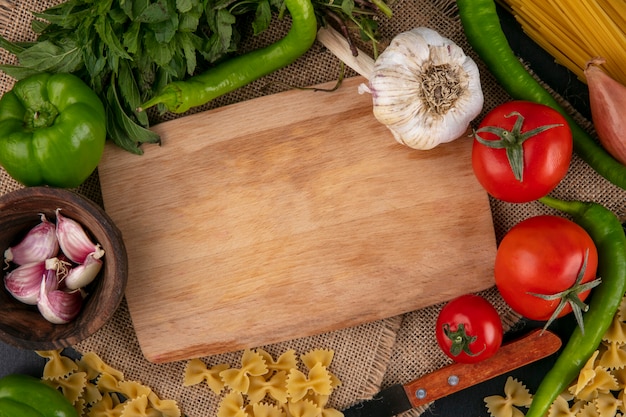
(607, 99)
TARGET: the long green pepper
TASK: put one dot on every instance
(180, 96)
(484, 33)
(608, 235)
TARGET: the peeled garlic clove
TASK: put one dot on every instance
(607, 100)
(39, 244)
(425, 89)
(83, 274)
(24, 282)
(74, 241)
(56, 306)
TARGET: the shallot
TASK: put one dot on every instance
(607, 99)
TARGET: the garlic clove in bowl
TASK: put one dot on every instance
(425, 89)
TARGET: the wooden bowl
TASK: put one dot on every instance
(22, 325)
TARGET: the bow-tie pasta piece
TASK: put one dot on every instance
(107, 383)
(515, 395)
(614, 357)
(266, 410)
(285, 362)
(232, 406)
(252, 364)
(197, 371)
(607, 404)
(57, 365)
(105, 407)
(275, 387)
(137, 407)
(72, 386)
(167, 408)
(313, 357)
(94, 365)
(318, 381)
(324, 357)
(133, 389)
(616, 332)
(303, 409)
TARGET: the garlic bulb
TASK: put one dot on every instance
(425, 89)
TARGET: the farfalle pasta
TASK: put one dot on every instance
(285, 361)
(515, 395)
(266, 410)
(317, 381)
(600, 388)
(252, 364)
(274, 387)
(196, 372)
(57, 365)
(98, 390)
(266, 387)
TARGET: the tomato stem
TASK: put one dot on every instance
(461, 341)
(571, 296)
(512, 141)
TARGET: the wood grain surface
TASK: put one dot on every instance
(287, 216)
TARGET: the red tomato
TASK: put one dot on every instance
(543, 255)
(543, 157)
(469, 329)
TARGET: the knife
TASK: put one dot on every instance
(399, 398)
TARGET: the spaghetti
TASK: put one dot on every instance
(575, 31)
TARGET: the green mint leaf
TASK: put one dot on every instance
(184, 6)
(47, 56)
(189, 21)
(164, 31)
(160, 53)
(189, 42)
(155, 13)
(129, 92)
(18, 72)
(12, 47)
(95, 61)
(118, 16)
(262, 17)
(107, 34)
(131, 38)
(223, 27)
(128, 134)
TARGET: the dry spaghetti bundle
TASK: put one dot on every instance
(575, 31)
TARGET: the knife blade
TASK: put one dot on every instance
(455, 377)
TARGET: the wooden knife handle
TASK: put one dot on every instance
(536, 345)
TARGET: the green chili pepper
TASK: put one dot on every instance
(33, 394)
(180, 96)
(608, 235)
(484, 33)
(52, 130)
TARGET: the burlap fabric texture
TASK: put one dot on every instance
(367, 357)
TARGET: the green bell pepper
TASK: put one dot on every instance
(33, 397)
(12, 408)
(52, 130)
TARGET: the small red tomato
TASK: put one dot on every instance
(469, 329)
(541, 258)
(521, 151)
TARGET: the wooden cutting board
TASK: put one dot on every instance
(287, 216)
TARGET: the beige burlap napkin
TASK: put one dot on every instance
(367, 357)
